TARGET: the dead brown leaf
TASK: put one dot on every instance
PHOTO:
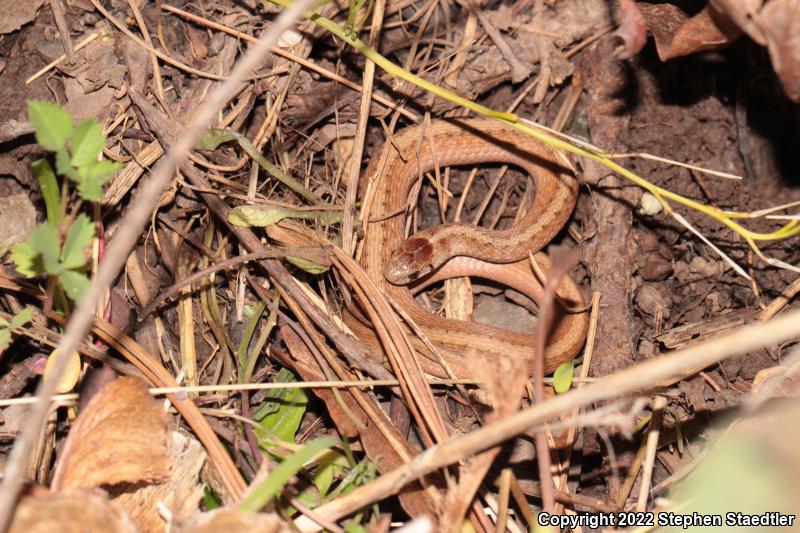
(743, 13)
(119, 438)
(77, 512)
(17, 13)
(632, 30)
(779, 21)
(676, 34)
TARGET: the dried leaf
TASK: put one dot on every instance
(779, 21)
(743, 13)
(632, 30)
(73, 512)
(119, 438)
(16, 13)
(676, 34)
(71, 374)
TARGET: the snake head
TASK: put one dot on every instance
(410, 261)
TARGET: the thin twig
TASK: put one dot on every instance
(561, 265)
(650, 456)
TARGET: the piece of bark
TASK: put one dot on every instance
(609, 254)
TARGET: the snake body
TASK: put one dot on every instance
(458, 249)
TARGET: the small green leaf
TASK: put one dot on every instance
(329, 467)
(92, 177)
(281, 411)
(74, 283)
(4, 323)
(53, 124)
(87, 143)
(79, 236)
(261, 217)
(211, 139)
(63, 166)
(5, 339)
(49, 187)
(562, 378)
(210, 499)
(309, 266)
(21, 318)
(44, 240)
(90, 190)
(261, 492)
(27, 260)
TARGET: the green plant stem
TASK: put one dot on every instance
(274, 170)
(241, 351)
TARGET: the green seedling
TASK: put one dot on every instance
(43, 253)
(77, 148)
(51, 248)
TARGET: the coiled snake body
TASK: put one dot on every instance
(457, 249)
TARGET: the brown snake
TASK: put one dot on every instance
(497, 255)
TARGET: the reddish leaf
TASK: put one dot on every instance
(744, 14)
(632, 30)
(779, 21)
(676, 34)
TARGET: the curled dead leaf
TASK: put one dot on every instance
(119, 438)
(632, 31)
(779, 21)
(181, 493)
(677, 34)
(744, 14)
